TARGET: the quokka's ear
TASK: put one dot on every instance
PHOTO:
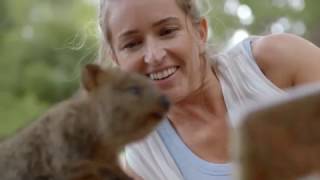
(90, 75)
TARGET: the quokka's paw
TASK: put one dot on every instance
(87, 170)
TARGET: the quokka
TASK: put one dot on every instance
(281, 140)
(81, 138)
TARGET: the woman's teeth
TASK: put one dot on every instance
(163, 74)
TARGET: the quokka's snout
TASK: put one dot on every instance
(163, 107)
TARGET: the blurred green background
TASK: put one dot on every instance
(44, 43)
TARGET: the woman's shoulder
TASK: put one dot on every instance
(279, 47)
(286, 58)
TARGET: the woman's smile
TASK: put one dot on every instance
(162, 74)
(164, 77)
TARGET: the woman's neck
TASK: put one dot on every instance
(203, 106)
(200, 120)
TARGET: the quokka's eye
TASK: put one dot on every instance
(136, 90)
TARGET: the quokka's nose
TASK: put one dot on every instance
(164, 101)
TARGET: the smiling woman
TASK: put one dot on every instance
(165, 40)
(160, 43)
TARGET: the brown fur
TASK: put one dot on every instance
(80, 138)
(281, 142)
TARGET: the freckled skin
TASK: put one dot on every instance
(81, 138)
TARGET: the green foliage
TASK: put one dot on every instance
(16, 112)
(265, 14)
(43, 45)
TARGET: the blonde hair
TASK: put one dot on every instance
(189, 7)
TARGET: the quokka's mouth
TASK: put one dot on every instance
(162, 109)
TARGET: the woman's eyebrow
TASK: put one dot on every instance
(166, 20)
(127, 33)
(158, 23)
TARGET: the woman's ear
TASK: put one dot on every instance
(203, 33)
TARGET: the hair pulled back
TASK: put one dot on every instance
(189, 7)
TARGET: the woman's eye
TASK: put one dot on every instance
(131, 45)
(168, 31)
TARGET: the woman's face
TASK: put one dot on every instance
(155, 38)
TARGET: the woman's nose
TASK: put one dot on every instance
(154, 54)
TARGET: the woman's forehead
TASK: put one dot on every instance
(128, 14)
(132, 11)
